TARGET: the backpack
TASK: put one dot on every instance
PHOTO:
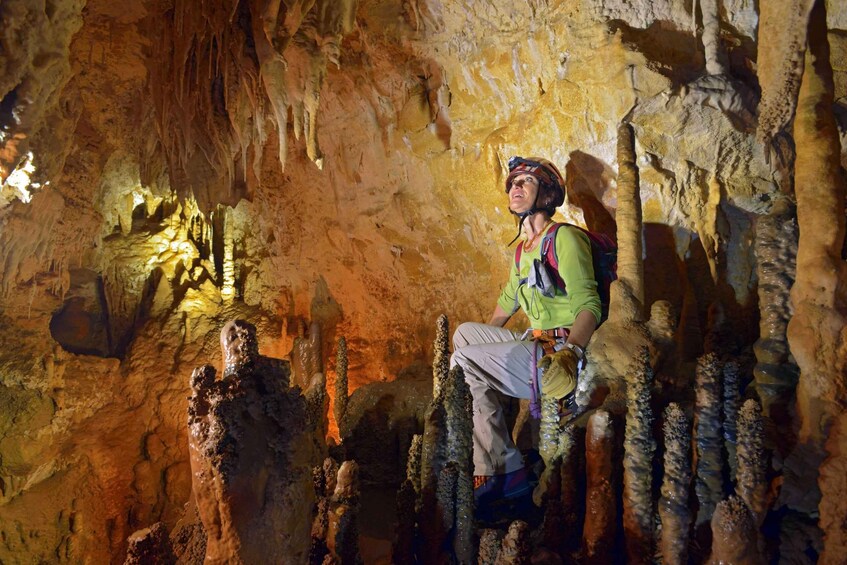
(604, 255)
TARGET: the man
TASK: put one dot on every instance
(499, 361)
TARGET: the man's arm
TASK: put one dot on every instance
(499, 318)
(582, 328)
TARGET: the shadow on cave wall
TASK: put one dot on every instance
(587, 181)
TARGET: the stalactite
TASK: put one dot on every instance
(734, 534)
(515, 548)
(341, 388)
(731, 405)
(441, 353)
(673, 504)
(600, 499)
(752, 483)
(775, 372)
(708, 426)
(629, 220)
(215, 82)
(715, 59)
(639, 448)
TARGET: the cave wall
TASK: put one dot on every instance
(341, 164)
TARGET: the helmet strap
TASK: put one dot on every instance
(524, 215)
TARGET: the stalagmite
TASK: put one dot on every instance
(150, 545)
(446, 470)
(752, 485)
(489, 546)
(403, 544)
(413, 463)
(549, 431)
(775, 372)
(342, 394)
(629, 220)
(833, 506)
(247, 520)
(715, 59)
(459, 406)
(600, 500)
(673, 504)
(639, 448)
(343, 531)
(515, 548)
(731, 405)
(734, 534)
(441, 353)
(557, 494)
(707, 425)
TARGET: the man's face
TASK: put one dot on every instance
(522, 192)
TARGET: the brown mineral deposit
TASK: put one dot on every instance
(515, 548)
(250, 455)
(343, 529)
(734, 535)
(600, 499)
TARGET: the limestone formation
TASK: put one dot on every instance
(440, 353)
(250, 424)
(549, 433)
(167, 166)
(752, 484)
(775, 371)
(707, 432)
(489, 546)
(639, 448)
(403, 544)
(833, 506)
(515, 548)
(731, 406)
(343, 527)
(150, 545)
(673, 504)
(817, 332)
(342, 393)
(413, 463)
(630, 272)
(734, 534)
(307, 355)
(600, 497)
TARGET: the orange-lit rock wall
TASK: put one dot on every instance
(166, 167)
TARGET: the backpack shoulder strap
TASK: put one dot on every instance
(548, 254)
(518, 258)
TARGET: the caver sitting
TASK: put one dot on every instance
(563, 314)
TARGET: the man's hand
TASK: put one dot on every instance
(559, 378)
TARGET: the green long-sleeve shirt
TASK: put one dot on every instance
(573, 250)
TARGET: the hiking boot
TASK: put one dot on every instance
(503, 488)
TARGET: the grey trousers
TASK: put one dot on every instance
(494, 360)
